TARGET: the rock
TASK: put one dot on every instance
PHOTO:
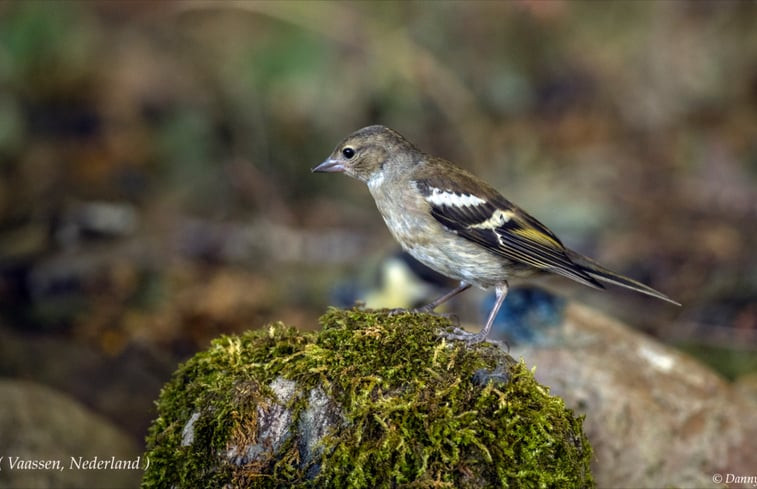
(655, 417)
(121, 388)
(42, 428)
(372, 400)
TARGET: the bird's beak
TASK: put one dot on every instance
(329, 166)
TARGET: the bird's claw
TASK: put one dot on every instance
(459, 334)
(398, 310)
(470, 339)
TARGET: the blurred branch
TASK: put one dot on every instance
(391, 47)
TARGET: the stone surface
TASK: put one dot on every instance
(38, 424)
(655, 417)
(121, 388)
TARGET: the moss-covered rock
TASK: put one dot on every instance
(372, 400)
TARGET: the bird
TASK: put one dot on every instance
(458, 225)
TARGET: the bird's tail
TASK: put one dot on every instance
(597, 271)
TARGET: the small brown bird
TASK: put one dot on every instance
(457, 224)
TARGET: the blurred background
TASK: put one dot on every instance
(155, 185)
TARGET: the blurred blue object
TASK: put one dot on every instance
(529, 315)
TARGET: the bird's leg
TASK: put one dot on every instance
(429, 308)
(472, 338)
(441, 300)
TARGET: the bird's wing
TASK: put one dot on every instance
(477, 212)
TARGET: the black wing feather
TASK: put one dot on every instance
(522, 238)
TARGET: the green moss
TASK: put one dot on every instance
(413, 412)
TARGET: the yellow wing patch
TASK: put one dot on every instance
(538, 237)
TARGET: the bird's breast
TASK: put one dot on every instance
(408, 217)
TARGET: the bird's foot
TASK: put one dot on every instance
(459, 334)
(470, 339)
(398, 310)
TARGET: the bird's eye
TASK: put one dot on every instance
(348, 153)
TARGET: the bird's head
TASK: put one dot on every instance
(369, 153)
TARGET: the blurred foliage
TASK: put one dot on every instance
(154, 156)
(731, 363)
